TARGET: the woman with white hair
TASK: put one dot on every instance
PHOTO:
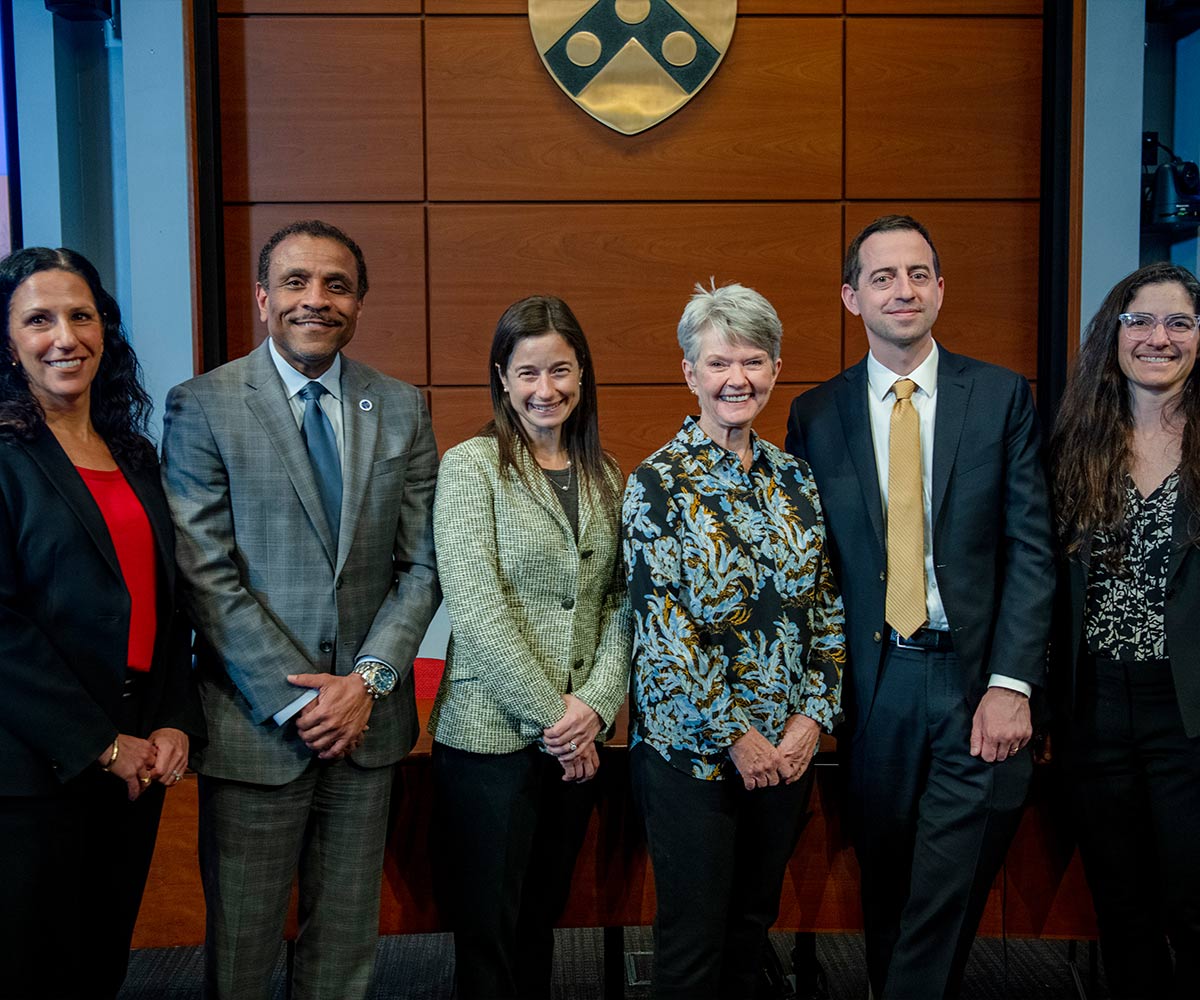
(738, 654)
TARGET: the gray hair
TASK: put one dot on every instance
(737, 314)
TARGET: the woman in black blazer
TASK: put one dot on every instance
(1126, 670)
(95, 687)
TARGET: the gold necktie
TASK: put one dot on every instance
(905, 609)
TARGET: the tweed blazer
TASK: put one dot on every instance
(270, 591)
(533, 612)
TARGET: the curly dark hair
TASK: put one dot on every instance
(1089, 449)
(120, 407)
(532, 317)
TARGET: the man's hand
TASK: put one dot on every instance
(579, 726)
(798, 745)
(332, 724)
(1001, 725)
(758, 762)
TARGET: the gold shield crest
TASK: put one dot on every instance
(632, 63)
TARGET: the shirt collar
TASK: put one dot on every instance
(704, 447)
(881, 378)
(294, 381)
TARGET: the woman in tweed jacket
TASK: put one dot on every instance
(526, 526)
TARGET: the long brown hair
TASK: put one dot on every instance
(1090, 446)
(532, 317)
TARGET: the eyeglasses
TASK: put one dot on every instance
(1139, 326)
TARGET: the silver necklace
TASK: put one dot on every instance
(554, 482)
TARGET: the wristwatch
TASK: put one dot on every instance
(378, 677)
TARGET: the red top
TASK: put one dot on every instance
(131, 536)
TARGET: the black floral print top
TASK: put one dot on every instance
(1125, 608)
(737, 621)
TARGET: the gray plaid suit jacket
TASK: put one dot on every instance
(267, 590)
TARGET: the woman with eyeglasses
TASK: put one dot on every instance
(1126, 678)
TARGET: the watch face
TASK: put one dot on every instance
(384, 679)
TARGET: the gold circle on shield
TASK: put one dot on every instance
(632, 11)
(679, 48)
(583, 48)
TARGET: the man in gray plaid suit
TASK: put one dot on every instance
(301, 484)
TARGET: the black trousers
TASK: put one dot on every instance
(506, 831)
(931, 824)
(719, 854)
(1135, 791)
(75, 867)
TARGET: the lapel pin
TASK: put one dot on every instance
(365, 405)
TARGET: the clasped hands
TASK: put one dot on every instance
(334, 722)
(572, 739)
(162, 756)
(761, 764)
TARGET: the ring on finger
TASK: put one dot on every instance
(572, 746)
(145, 779)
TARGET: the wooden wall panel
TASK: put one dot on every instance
(318, 6)
(522, 6)
(627, 272)
(391, 332)
(974, 7)
(943, 107)
(321, 109)
(989, 258)
(767, 126)
(634, 420)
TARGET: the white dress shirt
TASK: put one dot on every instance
(880, 401)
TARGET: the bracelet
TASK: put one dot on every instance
(113, 759)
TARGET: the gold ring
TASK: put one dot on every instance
(146, 780)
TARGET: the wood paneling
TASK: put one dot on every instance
(767, 125)
(321, 109)
(627, 271)
(943, 108)
(391, 332)
(974, 7)
(318, 6)
(989, 258)
(522, 6)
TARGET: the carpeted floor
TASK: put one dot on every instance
(421, 967)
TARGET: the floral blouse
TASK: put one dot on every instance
(1126, 609)
(738, 622)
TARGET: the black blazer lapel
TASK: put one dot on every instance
(147, 487)
(856, 425)
(48, 454)
(953, 394)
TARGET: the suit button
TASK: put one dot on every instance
(326, 646)
(586, 554)
(568, 603)
(878, 637)
(339, 583)
(1170, 593)
(577, 665)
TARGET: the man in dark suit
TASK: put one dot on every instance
(301, 484)
(928, 469)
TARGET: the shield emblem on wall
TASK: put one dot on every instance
(632, 63)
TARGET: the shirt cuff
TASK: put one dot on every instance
(368, 658)
(292, 708)
(1011, 683)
